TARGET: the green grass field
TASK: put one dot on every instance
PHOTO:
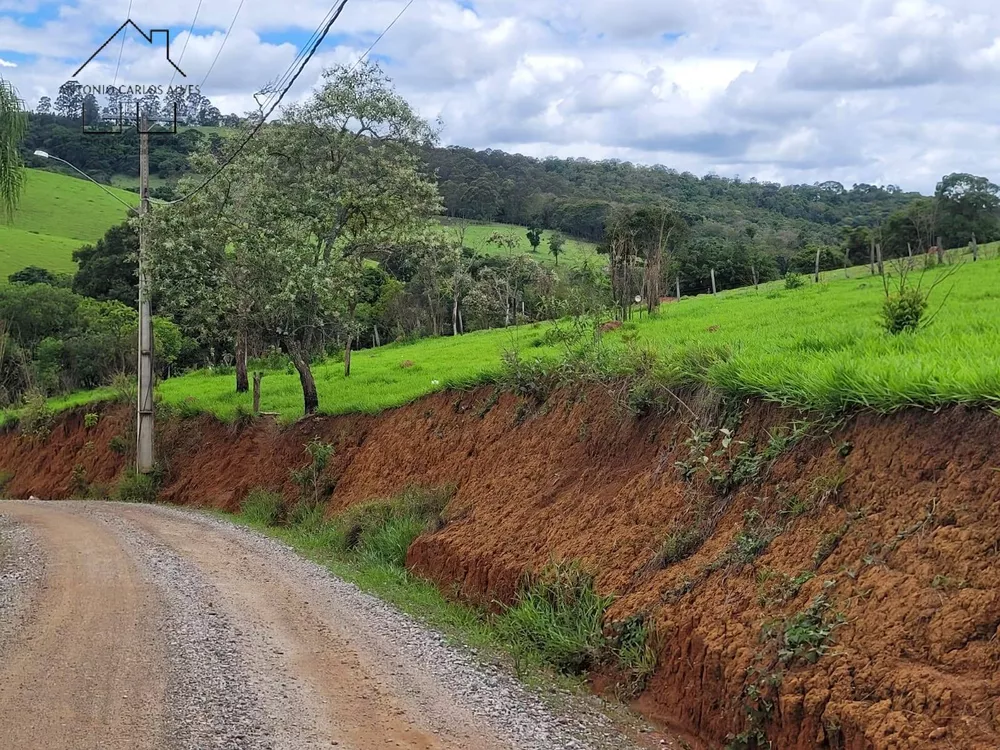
(574, 253)
(57, 215)
(819, 346)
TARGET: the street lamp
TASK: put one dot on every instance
(144, 406)
(46, 155)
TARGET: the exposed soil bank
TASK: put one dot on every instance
(897, 518)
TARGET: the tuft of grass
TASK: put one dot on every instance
(134, 487)
(262, 507)
(6, 477)
(560, 617)
(679, 545)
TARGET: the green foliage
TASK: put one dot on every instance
(36, 417)
(794, 281)
(6, 477)
(78, 483)
(33, 275)
(107, 269)
(807, 635)
(777, 588)
(262, 507)
(134, 487)
(13, 127)
(904, 310)
(560, 616)
(118, 445)
(679, 545)
(90, 420)
(313, 488)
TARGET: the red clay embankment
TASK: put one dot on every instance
(896, 518)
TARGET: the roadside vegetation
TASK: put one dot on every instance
(556, 625)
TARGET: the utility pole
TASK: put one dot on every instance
(144, 422)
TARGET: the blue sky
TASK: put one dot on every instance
(884, 91)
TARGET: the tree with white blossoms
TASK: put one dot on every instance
(275, 245)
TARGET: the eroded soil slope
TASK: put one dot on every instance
(823, 585)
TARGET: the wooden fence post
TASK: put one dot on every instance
(713, 281)
(678, 288)
(975, 248)
(940, 250)
(878, 255)
(257, 376)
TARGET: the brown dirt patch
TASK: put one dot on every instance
(897, 518)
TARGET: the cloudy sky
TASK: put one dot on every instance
(878, 91)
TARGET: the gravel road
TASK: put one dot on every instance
(128, 626)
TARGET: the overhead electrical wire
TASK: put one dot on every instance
(128, 17)
(274, 105)
(379, 39)
(194, 20)
(224, 40)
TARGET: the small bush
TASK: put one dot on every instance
(312, 488)
(382, 531)
(904, 310)
(36, 418)
(560, 617)
(118, 445)
(134, 487)
(125, 387)
(78, 483)
(90, 420)
(807, 635)
(680, 545)
(6, 477)
(262, 507)
(794, 281)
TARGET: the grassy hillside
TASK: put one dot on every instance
(57, 215)
(818, 346)
(575, 252)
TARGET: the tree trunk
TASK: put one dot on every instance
(309, 395)
(378, 339)
(257, 376)
(871, 257)
(940, 250)
(909, 250)
(347, 356)
(454, 316)
(461, 322)
(242, 384)
(819, 249)
(753, 273)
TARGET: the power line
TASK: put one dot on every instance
(128, 16)
(224, 40)
(305, 61)
(379, 39)
(273, 87)
(188, 39)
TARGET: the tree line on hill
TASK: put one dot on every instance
(321, 238)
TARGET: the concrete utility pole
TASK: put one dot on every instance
(144, 422)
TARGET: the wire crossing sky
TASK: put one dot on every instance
(885, 91)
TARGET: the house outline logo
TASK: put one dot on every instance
(119, 127)
(148, 37)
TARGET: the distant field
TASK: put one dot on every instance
(57, 215)
(819, 346)
(575, 252)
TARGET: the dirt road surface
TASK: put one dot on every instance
(133, 627)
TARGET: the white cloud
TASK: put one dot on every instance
(7, 64)
(897, 91)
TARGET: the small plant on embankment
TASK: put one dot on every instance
(6, 477)
(134, 487)
(560, 618)
(313, 486)
(557, 620)
(262, 507)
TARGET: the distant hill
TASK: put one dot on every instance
(57, 215)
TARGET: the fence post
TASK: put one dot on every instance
(713, 281)
(678, 288)
(975, 248)
(257, 376)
